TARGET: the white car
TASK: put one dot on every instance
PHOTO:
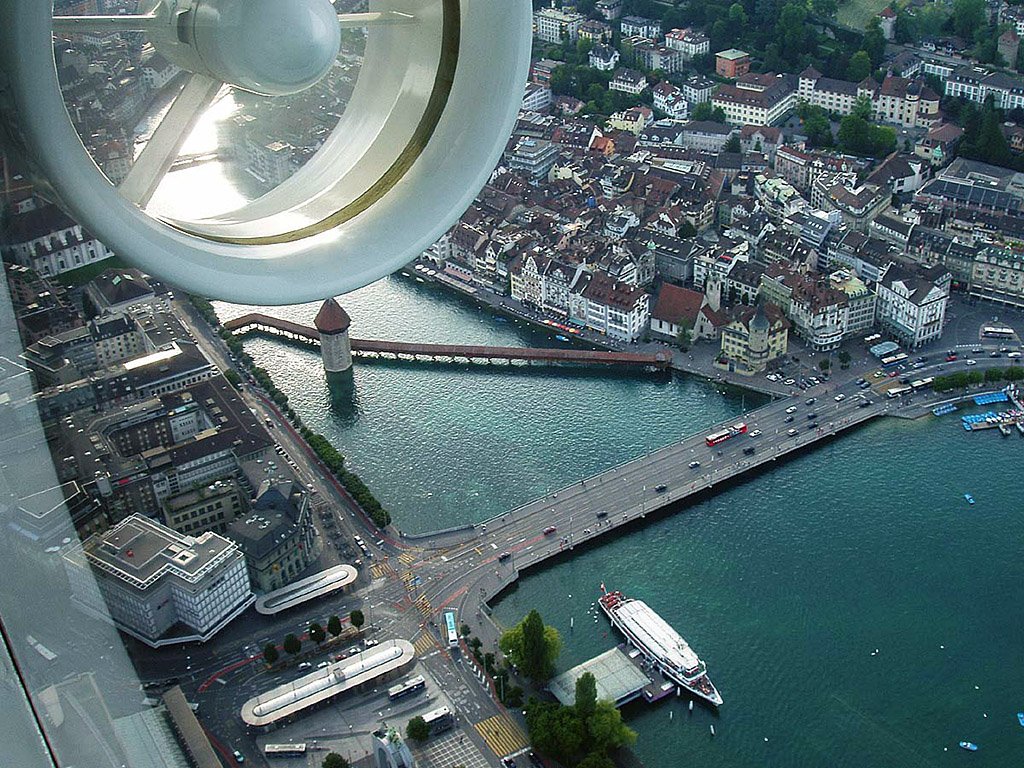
(791, 409)
(789, 382)
(755, 433)
(839, 398)
(972, 362)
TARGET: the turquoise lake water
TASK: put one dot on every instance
(785, 584)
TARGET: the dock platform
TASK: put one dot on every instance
(621, 675)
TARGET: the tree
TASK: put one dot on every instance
(270, 654)
(607, 731)
(707, 112)
(685, 334)
(874, 42)
(555, 730)
(824, 9)
(859, 66)
(292, 644)
(316, 632)
(586, 695)
(737, 16)
(417, 730)
(334, 626)
(968, 17)
(234, 377)
(532, 647)
(733, 144)
(844, 358)
(334, 760)
(824, 364)
(791, 30)
(596, 760)
(356, 618)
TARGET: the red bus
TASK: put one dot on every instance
(720, 437)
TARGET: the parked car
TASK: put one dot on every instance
(239, 757)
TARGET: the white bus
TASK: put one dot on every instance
(898, 391)
(285, 750)
(451, 629)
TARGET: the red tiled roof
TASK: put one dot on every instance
(675, 304)
(332, 318)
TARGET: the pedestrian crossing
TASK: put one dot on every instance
(502, 735)
(424, 606)
(407, 558)
(425, 644)
(408, 577)
(383, 571)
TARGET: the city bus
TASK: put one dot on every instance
(41, 649)
(410, 687)
(451, 630)
(898, 391)
(922, 383)
(285, 750)
(720, 437)
(893, 360)
(439, 720)
(997, 332)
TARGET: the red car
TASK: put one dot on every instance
(549, 530)
(950, 358)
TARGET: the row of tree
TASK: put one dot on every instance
(292, 644)
(964, 379)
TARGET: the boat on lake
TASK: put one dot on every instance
(970, 499)
(970, 747)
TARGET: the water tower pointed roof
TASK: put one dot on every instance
(332, 318)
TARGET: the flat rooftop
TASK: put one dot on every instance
(617, 677)
(323, 684)
(311, 587)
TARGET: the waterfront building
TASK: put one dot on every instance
(277, 535)
(159, 586)
(753, 339)
(912, 306)
(618, 310)
(998, 275)
(860, 301)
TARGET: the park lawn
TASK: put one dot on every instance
(857, 13)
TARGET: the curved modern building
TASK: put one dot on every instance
(365, 669)
(319, 584)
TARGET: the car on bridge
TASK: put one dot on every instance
(694, 464)
(549, 530)
(791, 409)
(788, 419)
(755, 433)
(660, 488)
(810, 401)
(792, 432)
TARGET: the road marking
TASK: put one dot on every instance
(425, 644)
(407, 558)
(502, 735)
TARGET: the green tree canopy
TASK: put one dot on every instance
(706, 111)
(532, 647)
(968, 18)
(334, 625)
(586, 695)
(334, 760)
(859, 66)
(417, 730)
(556, 730)
(292, 644)
(356, 618)
(607, 731)
(270, 654)
(316, 632)
(733, 144)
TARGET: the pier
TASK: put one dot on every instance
(400, 350)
